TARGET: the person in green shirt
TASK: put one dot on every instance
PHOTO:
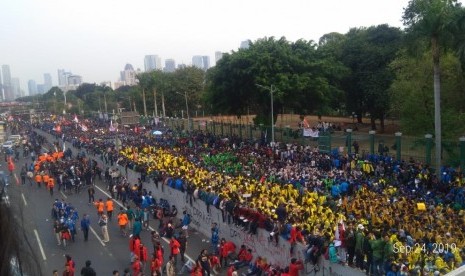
(388, 253)
(377, 247)
(359, 238)
(130, 214)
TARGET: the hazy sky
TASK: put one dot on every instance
(96, 38)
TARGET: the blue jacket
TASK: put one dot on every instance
(85, 223)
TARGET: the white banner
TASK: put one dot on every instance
(309, 132)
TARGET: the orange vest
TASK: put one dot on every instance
(51, 182)
(109, 204)
(38, 178)
(122, 219)
(99, 206)
(45, 178)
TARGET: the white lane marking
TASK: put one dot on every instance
(24, 199)
(97, 236)
(63, 194)
(40, 245)
(150, 227)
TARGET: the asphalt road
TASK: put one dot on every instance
(34, 205)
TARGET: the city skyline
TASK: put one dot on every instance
(41, 37)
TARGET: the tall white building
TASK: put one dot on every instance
(205, 62)
(7, 89)
(170, 65)
(47, 82)
(15, 87)
(152, 62)
(197, 61)
(128, 75)
(218, 56)
(63, 77)
(32, 87)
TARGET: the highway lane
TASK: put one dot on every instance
(36, 204)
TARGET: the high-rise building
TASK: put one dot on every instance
(40, 89)
(7, 89)
(197, 61)
(218, 56)
(245, 44)
(205, 62)
(32, 87)
(152, 62)
(73, 80)
(47, 82)
(15, 87)
(128, 76)
(170, 65)
(63, 77)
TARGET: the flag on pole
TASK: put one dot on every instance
(83, 127)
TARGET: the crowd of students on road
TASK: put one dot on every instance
(363, 211)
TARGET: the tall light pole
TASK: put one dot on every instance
(187, 108)
(272, 89)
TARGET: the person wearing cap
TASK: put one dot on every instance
(88, 270)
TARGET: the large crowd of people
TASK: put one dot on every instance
(372, 212)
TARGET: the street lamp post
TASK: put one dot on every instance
(272, 89)
(187, 108)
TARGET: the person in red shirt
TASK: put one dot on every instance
(136, 267)
(295, 267)
(296, 235)
(226, 250)
(197, 271)
(175, 245)
(244, 258)
(155, 265)
(142, 255)
(232, 271)
(215, 263)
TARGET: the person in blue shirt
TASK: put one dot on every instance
(215, 239)
(85, 225)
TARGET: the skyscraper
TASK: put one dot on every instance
(150, 63)
(128, 76)
(63, 77)
(15, 88)
(205, 62)
(197, 61)
(218, 56)
(245, 44)
(7, 89)
(32, 87)
(170, 65)
(47, 82)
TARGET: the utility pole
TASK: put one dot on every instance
(272, 89)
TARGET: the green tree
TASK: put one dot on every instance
(435, 21)
(368, 53)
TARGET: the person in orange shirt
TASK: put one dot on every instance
(45, 178)
(109, 205)
(100, 206)
(122, 221)
(38, 179)
(50, 185)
